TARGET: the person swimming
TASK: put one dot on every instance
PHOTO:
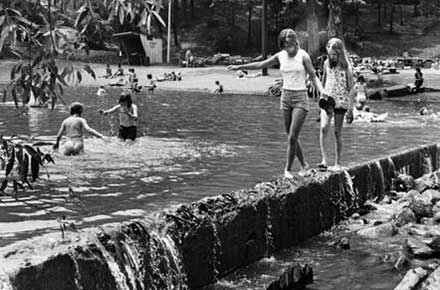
(74, 127)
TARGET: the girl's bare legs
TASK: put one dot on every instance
(339, 121)
(323, 134)
(293, 121)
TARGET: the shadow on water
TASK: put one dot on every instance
(192, 145)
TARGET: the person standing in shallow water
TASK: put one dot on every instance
(74, 127)
(338, 81)
(295, 66)
(128, 116)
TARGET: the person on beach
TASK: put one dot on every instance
(133, 81)
(120, 71)
(151, 83)
(419, 78)
(128, 116)
(218, 89)
(360, 89)
(74, 127)
(338, 83)
(295, 65)
(108, 72)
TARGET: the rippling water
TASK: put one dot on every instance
(192, 145)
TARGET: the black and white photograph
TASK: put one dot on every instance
(219, 144)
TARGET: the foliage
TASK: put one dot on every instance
(20, 163)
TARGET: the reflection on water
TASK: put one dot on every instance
(192, 145)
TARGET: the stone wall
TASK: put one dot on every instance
(195, 244)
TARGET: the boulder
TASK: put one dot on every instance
(295, 277)
(436, 208)
(432, 195)
(412, 278)
(401, 263)
(423, 183)
(404, 217)
(433, 281)
(421, 206)
(435, 244)
(404, 182)
(436, 217)
(380, 231)
(417, 248)
(344, 243)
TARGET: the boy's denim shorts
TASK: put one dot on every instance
(294, 99)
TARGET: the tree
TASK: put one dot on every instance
(312, 28)
(335, 23)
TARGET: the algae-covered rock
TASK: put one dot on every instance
(404, 182)
(421, 206)
(433, 281)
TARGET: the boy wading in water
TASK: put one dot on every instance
(74, 128)
(338, 83)
(128, 115)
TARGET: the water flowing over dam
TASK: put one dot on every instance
(195, 244)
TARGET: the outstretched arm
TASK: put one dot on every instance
(311, 72)
(59, 135)
(105, 112)
(256, 65)
(92, 131)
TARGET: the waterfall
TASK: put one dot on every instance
(268, 229)
(380, 179)
(427, 166)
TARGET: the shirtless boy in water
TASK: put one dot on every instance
(74, 127)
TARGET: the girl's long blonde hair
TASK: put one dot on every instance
(338, 46)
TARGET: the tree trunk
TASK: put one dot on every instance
(356, 15)
(312, 29)
(416, 11)
(334, 25)
(401, 15)
(192, 8)
(264, 34)
(391, 17)
(379, 18)
(249, 32)
(175, 24)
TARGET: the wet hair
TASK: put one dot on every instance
(76, 108)
(282, 37)
(337, 45)
(101, 86)
(361, 79)
(149, 76)
(125, 98)
(366, 109)
(217, 82)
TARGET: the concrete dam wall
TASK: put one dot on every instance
(194, 244)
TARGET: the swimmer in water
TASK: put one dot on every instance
(74, 127)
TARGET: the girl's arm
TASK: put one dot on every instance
(110, 110)
(312, 76)
(92, 131)
(350, 86)
(133, 115)
(59, 135)
(256, 65)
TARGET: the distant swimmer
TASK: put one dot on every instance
(74, 127)
(128, 116)
(360, 90)
(218, 89)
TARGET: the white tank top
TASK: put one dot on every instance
(292, 70)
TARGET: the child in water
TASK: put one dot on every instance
(128, 116)
(101, 91)
(360, 89)
(151, 83)
(74, 127)
(338, 80)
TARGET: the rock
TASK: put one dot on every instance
(417, 248)
(436, 217)
(294, 278)
(421, 206)
(435, 244)
(412, 278)
(433, 281)
(436, 208)
(344, 243)
(401, 263)
(423, 183)
(404, 182)
(386, 200)
(404, 217)
(380, 231)
(355, 216)
(432, 195)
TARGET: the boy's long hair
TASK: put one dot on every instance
(76, 108)
(342, 58)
